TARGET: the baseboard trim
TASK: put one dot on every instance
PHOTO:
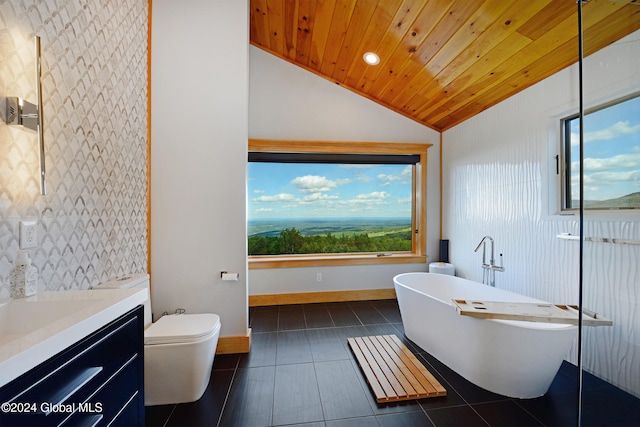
(235, 344)
(315, 297)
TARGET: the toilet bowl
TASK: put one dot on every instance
(178, 350)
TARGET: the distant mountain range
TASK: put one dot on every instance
(336, 226)
(629, 201)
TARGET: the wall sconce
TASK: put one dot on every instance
(23, 113)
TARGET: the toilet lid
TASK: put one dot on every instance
(181, 328)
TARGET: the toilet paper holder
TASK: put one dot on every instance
(229, 277)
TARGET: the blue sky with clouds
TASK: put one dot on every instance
(287, 190)
(611, 152)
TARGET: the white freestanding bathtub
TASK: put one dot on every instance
(512, 358)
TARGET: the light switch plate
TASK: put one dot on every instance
(28, 234)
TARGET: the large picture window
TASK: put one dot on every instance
(611, 157)
(329, 203)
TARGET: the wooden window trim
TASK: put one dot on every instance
(419, 199)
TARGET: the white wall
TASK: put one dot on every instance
(499, 179)
(287, 102)
(198, 158)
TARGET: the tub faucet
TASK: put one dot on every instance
(489, 275)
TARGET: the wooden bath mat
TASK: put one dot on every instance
(393, 372)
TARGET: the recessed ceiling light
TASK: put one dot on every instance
(371, 58)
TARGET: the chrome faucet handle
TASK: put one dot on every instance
(497, 267)
(479, 244)
(484, 249)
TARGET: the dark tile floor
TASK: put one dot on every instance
(300, 371)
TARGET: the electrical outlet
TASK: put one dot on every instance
(318, 277)
(28, 234)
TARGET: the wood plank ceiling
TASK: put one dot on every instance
(441, 61)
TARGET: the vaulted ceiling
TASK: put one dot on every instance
(441, 61)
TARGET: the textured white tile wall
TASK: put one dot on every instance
(92, 225)
(497, 182)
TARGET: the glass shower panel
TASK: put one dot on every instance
(611, 246)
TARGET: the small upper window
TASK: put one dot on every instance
(611, 157)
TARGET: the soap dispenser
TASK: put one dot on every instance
(24, 277)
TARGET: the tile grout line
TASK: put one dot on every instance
(381, 314)
(169, 416)
(357, 317)
(466, 403)
(479, 415)
(324, 415)
(226, 397)
(304, 318)
(528, 412)
(275, 373)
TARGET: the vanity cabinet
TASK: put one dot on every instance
(96, 382)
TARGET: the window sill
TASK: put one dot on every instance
(293, 261)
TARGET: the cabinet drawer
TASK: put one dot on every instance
(108, 404)
(107, 364)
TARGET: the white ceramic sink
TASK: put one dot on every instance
(35, 328)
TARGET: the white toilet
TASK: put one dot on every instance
(178, 350)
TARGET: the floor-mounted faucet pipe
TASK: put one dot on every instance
(488, 275)
(483, 244)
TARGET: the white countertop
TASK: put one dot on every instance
(84, 312)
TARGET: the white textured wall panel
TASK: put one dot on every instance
(497, 182)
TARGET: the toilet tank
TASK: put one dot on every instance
(132, 281)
